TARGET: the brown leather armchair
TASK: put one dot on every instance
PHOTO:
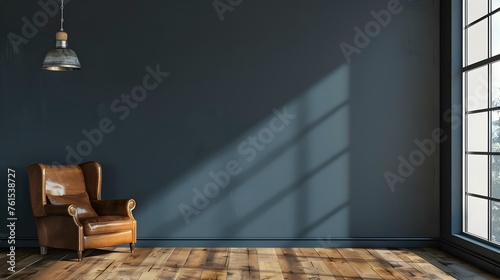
(69, 213)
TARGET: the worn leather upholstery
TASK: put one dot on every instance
(69, 213)
(105, 224)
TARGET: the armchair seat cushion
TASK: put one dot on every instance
(106, 224)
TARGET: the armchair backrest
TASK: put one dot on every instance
(62, 180)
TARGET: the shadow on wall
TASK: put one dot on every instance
(323, 175)
(275, 186)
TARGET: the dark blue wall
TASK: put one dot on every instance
(357, 106)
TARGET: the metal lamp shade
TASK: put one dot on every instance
(61, 59)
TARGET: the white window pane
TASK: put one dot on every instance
(477, 89)
(477, 132)
(477, 216)
(476, 9)
(495, 176)
(495, 4)
(495, 84)
(477, 42)
(495, 222)
(495, 131)
(477, 174)
(495, 34)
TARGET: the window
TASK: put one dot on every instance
(481, 134)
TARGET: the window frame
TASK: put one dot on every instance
(452, 239)
(466, 114)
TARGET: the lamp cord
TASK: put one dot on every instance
(62, 15)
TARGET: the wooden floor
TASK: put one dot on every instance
(240, 263)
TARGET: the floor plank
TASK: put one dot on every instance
(314, 267)
(360, 265)
(238, 267)
(175, 262)
(339, 266)
(193, 268)
(269, 265)
(216, 264)
(241, 263)
(290, 265)
(253, 263)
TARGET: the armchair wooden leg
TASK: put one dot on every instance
(132, 247)
(43, 250)
(80, 255)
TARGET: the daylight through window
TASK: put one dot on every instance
(481, 99)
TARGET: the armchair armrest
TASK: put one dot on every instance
(63, 212)
(119, 207)
(60, 210)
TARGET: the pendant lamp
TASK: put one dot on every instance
(61, 58)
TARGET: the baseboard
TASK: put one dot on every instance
(291, 242)
(271, 242)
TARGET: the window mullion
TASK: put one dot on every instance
(490, 117)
